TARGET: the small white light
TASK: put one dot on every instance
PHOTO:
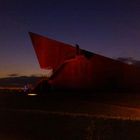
(32, 94)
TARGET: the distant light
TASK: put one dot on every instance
(32, 94)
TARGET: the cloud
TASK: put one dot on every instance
(13, 75)
(129, 60)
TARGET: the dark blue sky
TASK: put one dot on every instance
(110, 28)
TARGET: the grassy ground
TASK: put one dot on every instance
(28, 125)
(66, 118)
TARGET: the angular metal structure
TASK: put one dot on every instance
(78, 69)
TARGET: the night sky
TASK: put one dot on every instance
(110, 28)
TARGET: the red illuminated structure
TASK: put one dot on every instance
(78, 69)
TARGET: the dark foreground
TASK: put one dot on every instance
(55, 117)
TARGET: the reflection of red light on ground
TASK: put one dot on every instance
(32, 94)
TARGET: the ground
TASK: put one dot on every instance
(108, 116)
